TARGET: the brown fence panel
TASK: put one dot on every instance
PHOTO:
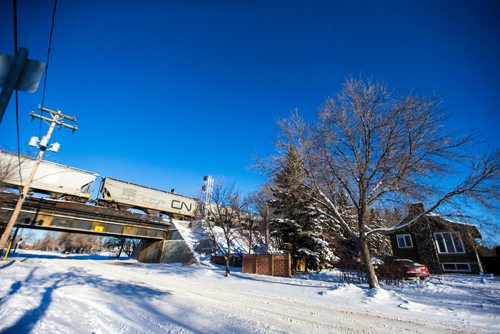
(264, 265)
(282, 265)
(267, 264)
(235, 260)
(249, 264)
(217, 259)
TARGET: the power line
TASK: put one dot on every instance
(67, 53)
(37, 27)
(48, 52)
(48, 58)
(14, 3)
(83, 90)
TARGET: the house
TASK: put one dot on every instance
(490, 259)
(444, 246)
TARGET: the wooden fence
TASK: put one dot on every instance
(267, 264)
(235, 260)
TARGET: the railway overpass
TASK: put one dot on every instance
(161, 242)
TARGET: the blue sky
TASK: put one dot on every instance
(168, 91)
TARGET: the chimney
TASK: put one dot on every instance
(415, 209)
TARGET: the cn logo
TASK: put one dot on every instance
(176, 204)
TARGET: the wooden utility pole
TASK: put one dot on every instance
(56, 118)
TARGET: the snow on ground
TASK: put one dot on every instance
(53, 293)
(193, 235)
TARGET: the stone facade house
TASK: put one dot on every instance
(443, 245)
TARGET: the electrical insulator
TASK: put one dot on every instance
(44, 142)
(55, 147)
(34, 141)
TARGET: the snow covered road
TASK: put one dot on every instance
(57, 295)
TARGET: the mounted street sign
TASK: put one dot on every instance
(30, 76)
(18, 73)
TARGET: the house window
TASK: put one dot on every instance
(456, 267)
(449, 242)
(404, 241)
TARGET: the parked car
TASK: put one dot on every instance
(402, 269)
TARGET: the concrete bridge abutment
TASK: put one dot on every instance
(173, 250)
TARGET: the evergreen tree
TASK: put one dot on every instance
(346, 247)
(298, 226)
(341, 244)
(378, 244)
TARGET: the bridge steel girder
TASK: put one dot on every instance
(63, 216)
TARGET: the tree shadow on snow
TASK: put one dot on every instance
(290, 281)
(16, 286)
(49, 255)
(74, 277)
(26, 323)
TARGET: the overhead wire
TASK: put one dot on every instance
(33, 105)
(62, 87)
(100, 42)
(48, 61)
(37, 27)
(18, 134)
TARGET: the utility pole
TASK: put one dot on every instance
(56, 118)
(208, 184)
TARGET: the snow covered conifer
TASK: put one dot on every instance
(341, 243)
(298, 227)
(384, 148)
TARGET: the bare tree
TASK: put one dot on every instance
(47, 243)
(248, 229)
(257, 203)
(78, 243)
(116, 244)
(121, 245)
(225, 214)
(385, 149)
(9, 166)
(28, 238)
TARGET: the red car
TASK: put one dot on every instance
(413, 269)
(403, 269)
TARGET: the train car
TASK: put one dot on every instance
(56, 180)
(154, 201)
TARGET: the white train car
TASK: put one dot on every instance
(154, 201)
(51, 178)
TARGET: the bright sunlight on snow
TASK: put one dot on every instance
(53, 293)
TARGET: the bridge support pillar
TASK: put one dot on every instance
(164, 251)
(174, 250)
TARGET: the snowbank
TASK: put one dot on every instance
(47, 293)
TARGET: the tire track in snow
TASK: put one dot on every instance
(291, 314)
(244, 310)
(131, 317)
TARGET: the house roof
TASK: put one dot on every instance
(470, 228)
(445, 224)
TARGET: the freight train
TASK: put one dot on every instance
(72, 184)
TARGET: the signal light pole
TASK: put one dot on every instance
(56, 118)
(208, 184)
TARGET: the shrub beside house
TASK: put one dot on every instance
(444, 246)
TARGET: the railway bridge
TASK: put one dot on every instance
(161, 242)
